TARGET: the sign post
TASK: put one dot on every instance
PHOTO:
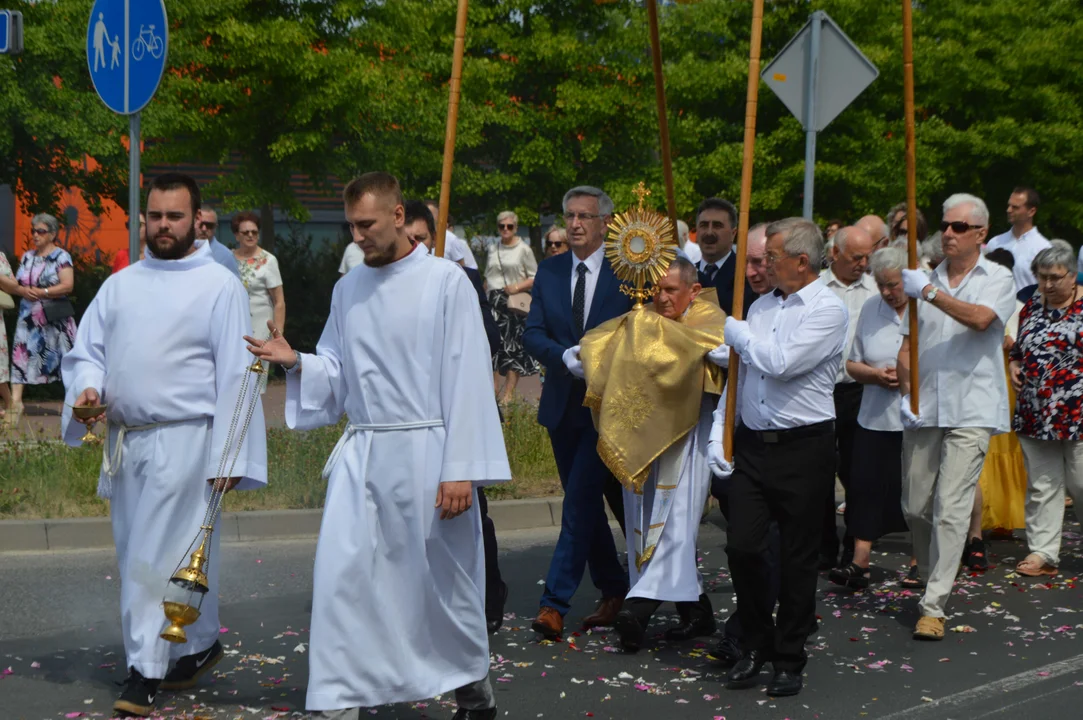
(816, 76)
(126, 43)
(11, 32)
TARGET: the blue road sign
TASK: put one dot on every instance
(9, 32)
(126, 42)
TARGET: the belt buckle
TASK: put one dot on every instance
(770, 437)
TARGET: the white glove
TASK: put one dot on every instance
(573, 363)
(716, 460)
(737, 333)
(914, 281)
(720, 356)
(910, 421)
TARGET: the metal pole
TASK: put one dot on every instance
(452, 120)
(811, 81)
(133, 188)
(663, 122)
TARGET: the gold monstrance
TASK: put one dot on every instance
(640, 247)
(188, 585)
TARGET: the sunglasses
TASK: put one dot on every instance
(958, 227)
(507, 226)
(40, 231)
(249, 233)
(208, 225)
(557, 243)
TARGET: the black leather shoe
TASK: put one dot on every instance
(785, 683)
(688, 629)
(746, 672)
(486, 714)
(728, 651)
(494, 616)
(630, 630)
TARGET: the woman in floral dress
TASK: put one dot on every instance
(261, 278)
(8, 285)
(45, 278)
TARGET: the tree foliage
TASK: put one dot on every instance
(558, 93)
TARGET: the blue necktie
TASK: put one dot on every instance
(579, 299)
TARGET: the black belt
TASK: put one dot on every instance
(777, 437)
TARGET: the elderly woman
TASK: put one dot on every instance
(9, 286)
(556, 241)
(874, 498)
(1047, 374)
(509, 275)
(260, 276)
(45, 327)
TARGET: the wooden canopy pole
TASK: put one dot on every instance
(911, 190)
(663, 122)
(751, 104)
(452, 121)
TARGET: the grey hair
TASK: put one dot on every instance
(47, 220)
(507, 215)
(605, 203)
(889, 258)
(1058, 254)
(558, 230)
(802, 237)
(688, 272)
(932, 249)
(682, 232)
(979, 213)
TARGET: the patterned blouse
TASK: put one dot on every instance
(1050, 349)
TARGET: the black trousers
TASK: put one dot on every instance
(493, 582)
(847, 405)
(769, 567)
(644, 608)
(781, 477)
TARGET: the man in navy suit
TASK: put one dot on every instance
(716, 230)
(573, 293)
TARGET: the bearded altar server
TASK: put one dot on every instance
(161, 345)
(652, 363)
(398, 593)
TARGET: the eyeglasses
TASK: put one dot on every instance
(958, 227)
(582, 217)
(249, 233)
(208, 225)
(557, 243)
(1051, 279)
(41, 231)
(771, 258)
(507, 226)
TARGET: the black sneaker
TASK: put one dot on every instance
(137, 697)
(192, 667)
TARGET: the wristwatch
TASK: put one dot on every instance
(296, 368)
(931, 295)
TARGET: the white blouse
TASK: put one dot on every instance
(876, 344)
(509, 265)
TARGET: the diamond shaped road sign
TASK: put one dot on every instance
(843, 74)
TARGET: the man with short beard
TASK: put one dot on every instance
(397, 609)
(161, 345)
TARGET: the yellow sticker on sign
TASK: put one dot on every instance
(779, 77)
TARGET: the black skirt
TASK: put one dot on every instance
(511, 355)
(874, 498)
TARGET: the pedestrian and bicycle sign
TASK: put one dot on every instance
(11, 32)
(126, 43)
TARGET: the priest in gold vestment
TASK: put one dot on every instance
(652, 391)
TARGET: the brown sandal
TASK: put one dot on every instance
(1034, 566)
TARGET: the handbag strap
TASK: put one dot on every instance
(500, 262)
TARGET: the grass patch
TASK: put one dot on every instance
(50, 480)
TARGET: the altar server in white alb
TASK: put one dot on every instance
(161, 345)
(398, 611)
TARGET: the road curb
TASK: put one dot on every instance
(88, 533)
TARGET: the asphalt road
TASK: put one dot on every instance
(60, 650)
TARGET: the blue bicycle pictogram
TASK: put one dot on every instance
(147, 42)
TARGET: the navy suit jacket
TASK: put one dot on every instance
(550, 331)
(723, 283)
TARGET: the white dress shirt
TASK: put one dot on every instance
(962, 370)
(594, 266)
(789, 364)
(456, 250)
(876, 344)
(854, 297)
(692, 252)
(1024, 248)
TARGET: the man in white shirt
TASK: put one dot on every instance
(1022, 239)
(756, 260)
(455, 248)
(784, 465)
(690, 249)
(847, 278)
(963, 397)
(205, 230)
